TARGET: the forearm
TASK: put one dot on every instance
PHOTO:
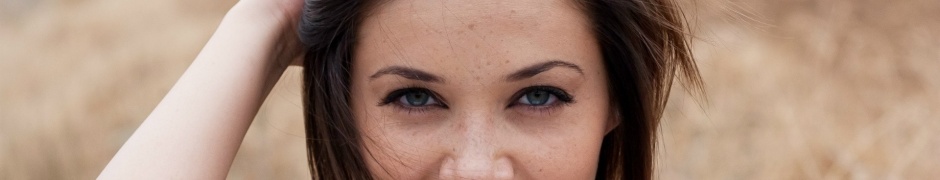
(196, 130)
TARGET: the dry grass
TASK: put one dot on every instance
(797, 89)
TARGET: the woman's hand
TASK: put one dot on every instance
(282, 15)
(195, 132)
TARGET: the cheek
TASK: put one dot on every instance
(395, 150)
(567, 152)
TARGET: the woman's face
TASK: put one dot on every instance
(481, 89)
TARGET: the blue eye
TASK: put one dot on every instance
(417, 98)
(542, 96)
(537, 98)
(412, 98)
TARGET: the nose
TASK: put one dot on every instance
(476, 154)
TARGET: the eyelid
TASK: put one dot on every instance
(393, 96)
(559, 93)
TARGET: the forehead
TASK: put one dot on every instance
(458, 36)
(437, 14)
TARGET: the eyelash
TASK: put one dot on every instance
(563, 98)
(394, 96)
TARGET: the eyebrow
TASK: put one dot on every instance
(533, 70)
(527, 72)
(408, 73)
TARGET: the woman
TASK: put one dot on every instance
(421, 89)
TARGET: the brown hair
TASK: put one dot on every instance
(644, 46)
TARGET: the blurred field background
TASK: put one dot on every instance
(797, 89)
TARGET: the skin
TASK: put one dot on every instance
(196, 129)
(480, 130)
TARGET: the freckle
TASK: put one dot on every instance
(471, 26)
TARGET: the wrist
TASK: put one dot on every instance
(271, 13)
(250, 21)
(273, 20)
(253, 35)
